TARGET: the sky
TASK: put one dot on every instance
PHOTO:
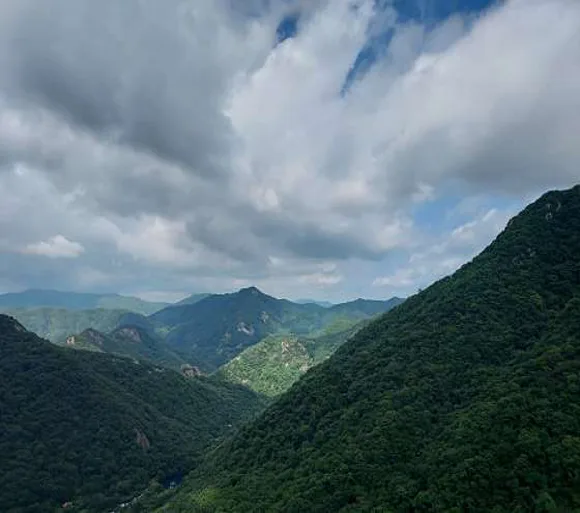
(331, 149)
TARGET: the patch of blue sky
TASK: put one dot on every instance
(429, 13)
(288, 27)
(453, 208)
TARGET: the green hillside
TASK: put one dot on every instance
(38, 298)
(272, 365)
(93, 429)
(56, 324)
(212, 331)
(466, 398)
(130, 341)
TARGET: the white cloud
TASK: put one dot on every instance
(175, 139)
(57, 246)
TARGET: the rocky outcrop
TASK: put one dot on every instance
(190, 371)
(142, 440)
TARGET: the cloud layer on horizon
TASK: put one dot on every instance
(175, 147)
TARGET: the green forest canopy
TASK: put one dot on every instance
(94, 429)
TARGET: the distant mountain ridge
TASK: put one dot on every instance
(192, 299)
(205, 330)
(302, 301)
(367, 307)
(39, 298)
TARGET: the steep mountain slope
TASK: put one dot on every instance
(212, 331)
(271, 366)
(130, 341)
(36, 298)
(466, 398)
(93, 429)
(56, 324)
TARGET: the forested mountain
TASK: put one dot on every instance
(55, 315)
(56, 324)
(206, 330)
(37, 298)
(92, 430)
(130, 341)
(212, 331)
(272, 365)
(466, 398)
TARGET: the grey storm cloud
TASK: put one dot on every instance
(127, 71)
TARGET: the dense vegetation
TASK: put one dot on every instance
(215, 329)
(76, 301)
(465, 399)
(56, 324)
(272, 365)
(93, 429)
(130, 341)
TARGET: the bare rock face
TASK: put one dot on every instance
(142, 440)
(92, 336)
(190, 371)
(244, 328)
(130, 333)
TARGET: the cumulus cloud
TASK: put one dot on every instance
(181, 145)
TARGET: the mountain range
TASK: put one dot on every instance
(205, 330)
(38, 298)
(212, 331)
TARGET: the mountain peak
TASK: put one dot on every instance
(254, 291)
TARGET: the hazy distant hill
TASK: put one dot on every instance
(36, 298)
(325, 304)
(93, 429)
(361, 308)
(466, 398)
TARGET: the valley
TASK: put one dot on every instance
(445, 401)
